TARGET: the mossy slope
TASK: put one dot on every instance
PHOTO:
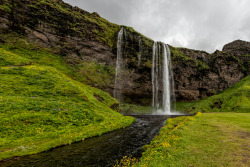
(233, 99)
(41, 108)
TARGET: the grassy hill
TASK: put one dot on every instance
(41, 107)
(207, 139)
(233, 99)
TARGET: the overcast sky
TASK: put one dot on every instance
(196, 24)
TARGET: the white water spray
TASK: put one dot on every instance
(166, 84)
(140, 52)
(120, 65)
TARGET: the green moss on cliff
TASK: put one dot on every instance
(146, 41)
(19, 48)
(107, 32)
(75, 21)
(5, 6)
(97, 75)
(180, 58)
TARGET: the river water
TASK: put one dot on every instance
(102, 151)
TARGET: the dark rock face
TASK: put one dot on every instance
(115, 107)
(215, 73)
(241, 50)
(80, 36)
(237, 48)
(224, 70)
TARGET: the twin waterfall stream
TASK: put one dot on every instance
(163, 96)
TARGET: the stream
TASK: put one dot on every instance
(102, 151)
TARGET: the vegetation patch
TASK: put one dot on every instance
(42, 108)
(19, 48)
(96, 75)
(179, 57)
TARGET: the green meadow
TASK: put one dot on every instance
(42, 107)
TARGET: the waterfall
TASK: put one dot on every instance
(155, 102)
(120, 65)
(171, 82)
(163, 95)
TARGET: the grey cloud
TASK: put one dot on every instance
(197, 24)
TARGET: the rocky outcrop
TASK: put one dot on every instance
(241, 50)
(199, 74)
(237, 48)
(83, 37)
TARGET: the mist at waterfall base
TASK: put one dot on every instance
(163, 93)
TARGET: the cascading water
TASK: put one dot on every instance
(140, 52)
(171, 82)
(120, 65)
(155, 100)
(163, 96)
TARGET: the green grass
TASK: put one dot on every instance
(209, 139)
(96, 75)
(233, 99)
(5, 6)
(20, 48)
(8, 59)
(41, 107)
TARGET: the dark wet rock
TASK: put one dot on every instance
(187, 95)
(99, 98)
(217, 104)
(241, 50)
(115, 107)
(1, 40)
(200, 74)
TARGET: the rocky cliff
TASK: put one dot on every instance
(200, 74)
(88, 44)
